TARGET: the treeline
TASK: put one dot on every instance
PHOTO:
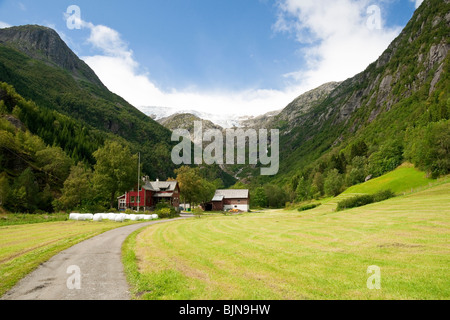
(37, 178)
(51, 162)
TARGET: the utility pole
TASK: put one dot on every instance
(139, 180)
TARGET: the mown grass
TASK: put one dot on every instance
(23, 247)
(316, 254)
(404, 179)
(8, 219)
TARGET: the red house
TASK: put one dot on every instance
(150, 194)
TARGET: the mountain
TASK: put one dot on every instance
(43, 69)
(44, 44)
(287, 118)
(186, 121)
(406, 88)
(221, 120)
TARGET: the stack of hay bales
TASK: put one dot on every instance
(117, 217)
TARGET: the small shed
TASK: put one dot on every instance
(225, 200)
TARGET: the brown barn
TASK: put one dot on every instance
(225, 200)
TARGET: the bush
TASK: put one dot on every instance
(168, 213)
(365, 199)
(383, 195)
(333, 183)
(309, 206)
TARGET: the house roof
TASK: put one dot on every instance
(164, 195)
(217, 198)
(160, 185)
(231, 194)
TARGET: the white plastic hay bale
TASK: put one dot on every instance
(98, 217)
(81, 217)
(147, 217)
(139, 217)
(112, 216)
(119, 218)
(155, 216)
(73, 216)
(89, 216)
(105, 216)
(131, 217)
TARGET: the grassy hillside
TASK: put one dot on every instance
(403, 179)
(287, 255)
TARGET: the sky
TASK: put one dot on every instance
(239, 57)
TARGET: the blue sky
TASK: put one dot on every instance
(220, 56)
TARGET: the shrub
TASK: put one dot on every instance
(164, 213)
(333, 183)
(365, 199)
(383, 195)
(309, 207)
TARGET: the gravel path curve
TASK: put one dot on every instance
(90, 270)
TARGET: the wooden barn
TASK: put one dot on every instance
(150, 194)
(225, 200)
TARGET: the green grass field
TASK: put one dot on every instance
(23, 247)
(317, 254)
(404, 179)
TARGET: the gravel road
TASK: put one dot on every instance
(90, 270)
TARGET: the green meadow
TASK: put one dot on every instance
(316, 254)
(24, 246)
(404, 179)
(272, 254)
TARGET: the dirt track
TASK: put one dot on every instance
(98, 260)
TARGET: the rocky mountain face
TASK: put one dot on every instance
(43, 69)
(186, 121)
(288, 117)
(410, 72)
(44, 44)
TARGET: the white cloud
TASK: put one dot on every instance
(119, 71)
(417, 2)
(336, 43)
(4, 25)
(337, 36)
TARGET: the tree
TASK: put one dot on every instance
(77, 187)
(25, 192)
(4, 188)
(55, 162)
(333, 183)
(338, 162)
(194, 189)
(387, 158)
(258, 198)
(428, 148)
(358, 149)
(207, 190)
(303, 189)
(114, 172)
(276, 197)
(317, 187)
(357, 173)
